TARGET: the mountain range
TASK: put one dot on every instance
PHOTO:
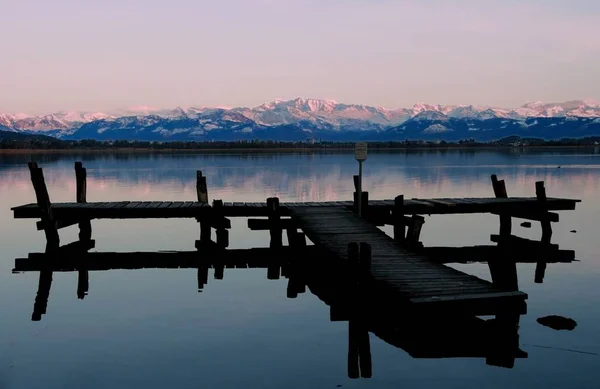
(302, 119)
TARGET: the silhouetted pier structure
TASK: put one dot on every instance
(398, 270)
(349, 291)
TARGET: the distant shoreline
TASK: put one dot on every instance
(314, 150)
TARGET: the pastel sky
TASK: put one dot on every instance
(105, 54)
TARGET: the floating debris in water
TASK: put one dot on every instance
(558, 323)
(526, 224)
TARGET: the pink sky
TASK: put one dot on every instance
(83, 55)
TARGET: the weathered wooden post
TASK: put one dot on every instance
(273, 271)
(542, 203)
(414, 231)
(45, 207)
(502, 268)
(201, 188)
(202, 195)
(43, 293)
(356, 194)
(296, 283)
(353, 355)
(361, 199)
(542, 200)
(83, 284)
(274, 222)
(364, 204)
(359, 348)
(398, 219)
(219, 271)
(85, 226)
(500, 193)
(276, 232)
(202, 277)
(364, 351)
(219, 222)
(360, 154)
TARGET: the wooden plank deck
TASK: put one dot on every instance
(191, 209)
(401, 273)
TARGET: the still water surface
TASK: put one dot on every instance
(152, 329)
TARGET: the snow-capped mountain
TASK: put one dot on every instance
(297, 118)
(280, 112)
(50, 122)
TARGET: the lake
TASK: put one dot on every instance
(153, 329)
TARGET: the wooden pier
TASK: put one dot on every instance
(403, 275)
(399, 272)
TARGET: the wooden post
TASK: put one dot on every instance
(202, 196)
(201, 188)
(504, 272)
(364, 204)
(217, 216)
(414, 231)
(43, 293)
(540, 193)
(500, 193)
(355, 179)
(85, 226)
(364, 351)
(273, 271)
(353, 355)
(504, 341)
(540, 272)
(398, 218)
(275, 231)
(542, 200)
(45, 207)
(202, 277)
(83, 284)
(219, 271)
(274, 221)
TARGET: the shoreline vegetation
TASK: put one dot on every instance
(45, 145)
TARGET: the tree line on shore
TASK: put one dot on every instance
(48, 143)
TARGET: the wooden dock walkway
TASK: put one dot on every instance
(194, 209)
(410, 276)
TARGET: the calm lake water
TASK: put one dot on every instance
(153, 329)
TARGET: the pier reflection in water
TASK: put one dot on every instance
(348, 292)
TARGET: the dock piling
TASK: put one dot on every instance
(44, 206)
(542, 200)
(202, 197)
(201, 188)
(414, 231)
(499, 188)
(218, 220)
(274, 222)
(85, 226)
(398, 219)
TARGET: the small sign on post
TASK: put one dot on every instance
(360, 151)
(360, 154)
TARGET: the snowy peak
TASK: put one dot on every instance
(430, 115)
(316, 113)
